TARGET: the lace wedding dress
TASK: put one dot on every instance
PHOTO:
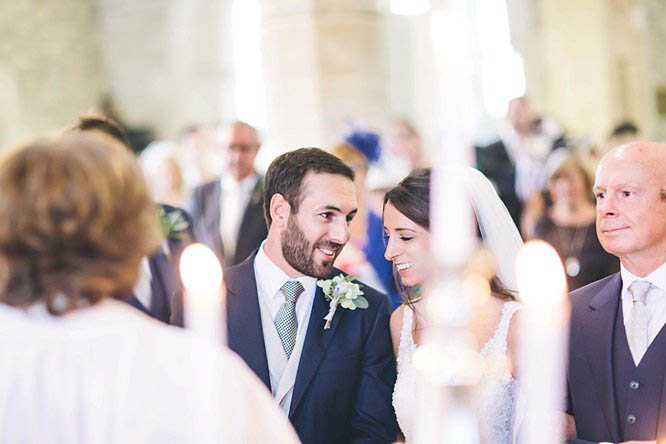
(497, 393)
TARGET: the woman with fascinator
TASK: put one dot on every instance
(363, 256)
(406, 218)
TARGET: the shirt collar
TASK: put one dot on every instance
(657, 278)
(246, 185)
(273, 277)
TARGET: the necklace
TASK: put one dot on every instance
(570, 247)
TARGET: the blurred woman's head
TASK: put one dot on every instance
(569, 182)
(403, 139)
(358, 151)
(77, 220)
(355, 160)
(353, 157)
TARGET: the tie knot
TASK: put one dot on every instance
(639, 290)
(291, 291)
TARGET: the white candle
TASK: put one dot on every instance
(203, 293)
(446, 358)
(543, 339)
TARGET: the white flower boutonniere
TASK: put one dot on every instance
(174, 225)
(341, 291)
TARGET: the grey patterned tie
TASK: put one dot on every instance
(285, 321)
(640, 317)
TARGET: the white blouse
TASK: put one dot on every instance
(109, 374)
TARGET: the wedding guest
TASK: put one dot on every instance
(407, 227)
(514, 162)
(159, 277)
(568, 225)
(363, 256)
(195, 153)
(402, 152)
(77, 364)
(617, 349)
(228, 212)
(624, 132)
(159, 161)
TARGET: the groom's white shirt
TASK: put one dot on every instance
(282, 371)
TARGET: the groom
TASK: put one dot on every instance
(335, 384)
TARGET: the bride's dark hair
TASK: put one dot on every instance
(411, 197)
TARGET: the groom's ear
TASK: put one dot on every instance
(280, 210)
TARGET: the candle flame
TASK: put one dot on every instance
(540, 274)
(199, 269)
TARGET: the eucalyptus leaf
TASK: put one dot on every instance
(348, 303)
(361, 302)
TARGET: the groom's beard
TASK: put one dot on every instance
(300, 254)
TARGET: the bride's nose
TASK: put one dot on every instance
(391, 250)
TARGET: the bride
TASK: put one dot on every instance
(407, 228)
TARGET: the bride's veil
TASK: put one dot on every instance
(498, 230)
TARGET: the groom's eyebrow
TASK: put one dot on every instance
(334, 208)
(331, 207)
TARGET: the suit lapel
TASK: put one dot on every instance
(661, 425)
(160, 303)
(596, 331)
(246, 335)
(165, 280)
(212, 217)
(317, 341)
(253, 212)
(661, 422)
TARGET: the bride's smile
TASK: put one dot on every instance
(407, 246)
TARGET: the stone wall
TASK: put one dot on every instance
(654, 16)
(593, 63)
(167, 61)
(325, 67)
(49, 66)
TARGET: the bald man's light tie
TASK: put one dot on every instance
(640, 319)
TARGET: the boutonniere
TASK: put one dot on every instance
(174, 225)
(341, 291)
(258, 191)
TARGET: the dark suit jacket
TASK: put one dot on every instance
(165, 276)
(591, 393)
(346, 374)
(494, 162)
(204, 206)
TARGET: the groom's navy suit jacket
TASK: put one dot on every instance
(346, 374)
(605, 388)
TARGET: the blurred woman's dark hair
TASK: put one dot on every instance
(104, 125)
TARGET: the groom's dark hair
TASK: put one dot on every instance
(285, 175)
